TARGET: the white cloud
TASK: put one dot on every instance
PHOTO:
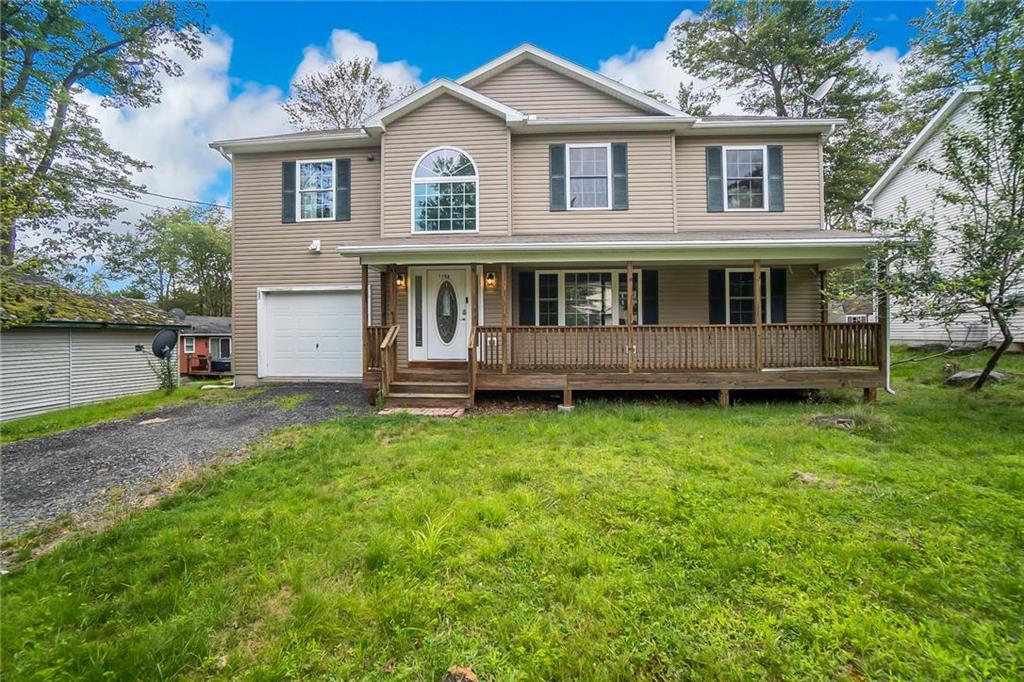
(888, 60)
(650, 69)
(173, 136)
(346, 44)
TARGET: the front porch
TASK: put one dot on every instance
(630, 350)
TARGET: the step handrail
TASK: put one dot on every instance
(388, 360)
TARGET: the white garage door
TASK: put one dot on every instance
(312, 334)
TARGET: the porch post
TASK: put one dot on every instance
(393, 297)
(504, 318)
(366, 318)
(758, 322)
(822, 275)
(630, 348)
(474, 284)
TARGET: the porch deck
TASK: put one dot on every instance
(659, 357)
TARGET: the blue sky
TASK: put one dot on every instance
(451, 38)
(257, 49)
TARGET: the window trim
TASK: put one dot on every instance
(767, 274)
(299, 190)
(413, 181)
(637, 294)
(568, 178)
(763, 148)
(185, 344)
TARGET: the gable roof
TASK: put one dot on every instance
(595, 80)
(28, 300)
(922, 137)
(433, 90)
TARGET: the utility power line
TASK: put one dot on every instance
(142, 191)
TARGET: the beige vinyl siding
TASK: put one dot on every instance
(49, 369)
(446, 122)
(649, 162)
(267, 252)
(538, 90)
(803, 193)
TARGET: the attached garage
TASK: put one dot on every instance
(310, 334)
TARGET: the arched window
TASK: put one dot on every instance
(444, 192)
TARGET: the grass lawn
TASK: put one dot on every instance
(641, 541)
(118, 408)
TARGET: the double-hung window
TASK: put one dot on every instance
(316, 189)
(588, 173)
(739, 300)
(444, 196)
(188, 344)
(744, 178)
(585, 298)
(222, 346)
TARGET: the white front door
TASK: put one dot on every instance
(447, 322)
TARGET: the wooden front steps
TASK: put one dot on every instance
(429, 387)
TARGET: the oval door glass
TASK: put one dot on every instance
(446, 311)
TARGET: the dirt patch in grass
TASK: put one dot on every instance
(849, 421)
(808, 478)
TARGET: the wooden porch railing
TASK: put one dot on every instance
(677, 347)
(388, 359)
(374, 337)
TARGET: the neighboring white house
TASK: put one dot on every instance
(59, 348)
(903, 181)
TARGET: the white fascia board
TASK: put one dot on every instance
(435, 89)
(766, 126)
(282, 143)
(809, 249)
(922, 137)
(574, 71)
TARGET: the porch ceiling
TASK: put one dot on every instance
(835, 248)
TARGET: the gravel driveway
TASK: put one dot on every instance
(74, 471)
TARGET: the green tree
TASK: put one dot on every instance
(953, 47)
(342, 96)
(969, 257)
(59, 174)
(177, 258)
(776, 51)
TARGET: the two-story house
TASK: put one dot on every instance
(534, 225)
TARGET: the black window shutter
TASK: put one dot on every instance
(716, 296)
(527, 298)
(288, 192)
(713, 174)
(775, 193)
(620, 177)
(556, 176)
(778, 280)
(343, 189)
(649, 287)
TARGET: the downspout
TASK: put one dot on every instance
(888, 340)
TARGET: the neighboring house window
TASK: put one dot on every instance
(856, 318)
(444, 197)
(585, 299)
(740, 299)
(316, 189)
(224, 348)
(588, 172)
(744, 178)
(189, 344)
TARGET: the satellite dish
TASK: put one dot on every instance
(164, 342)
(178, 313)
(819, 94)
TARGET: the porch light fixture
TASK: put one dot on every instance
(490, 280)
(400, 281)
